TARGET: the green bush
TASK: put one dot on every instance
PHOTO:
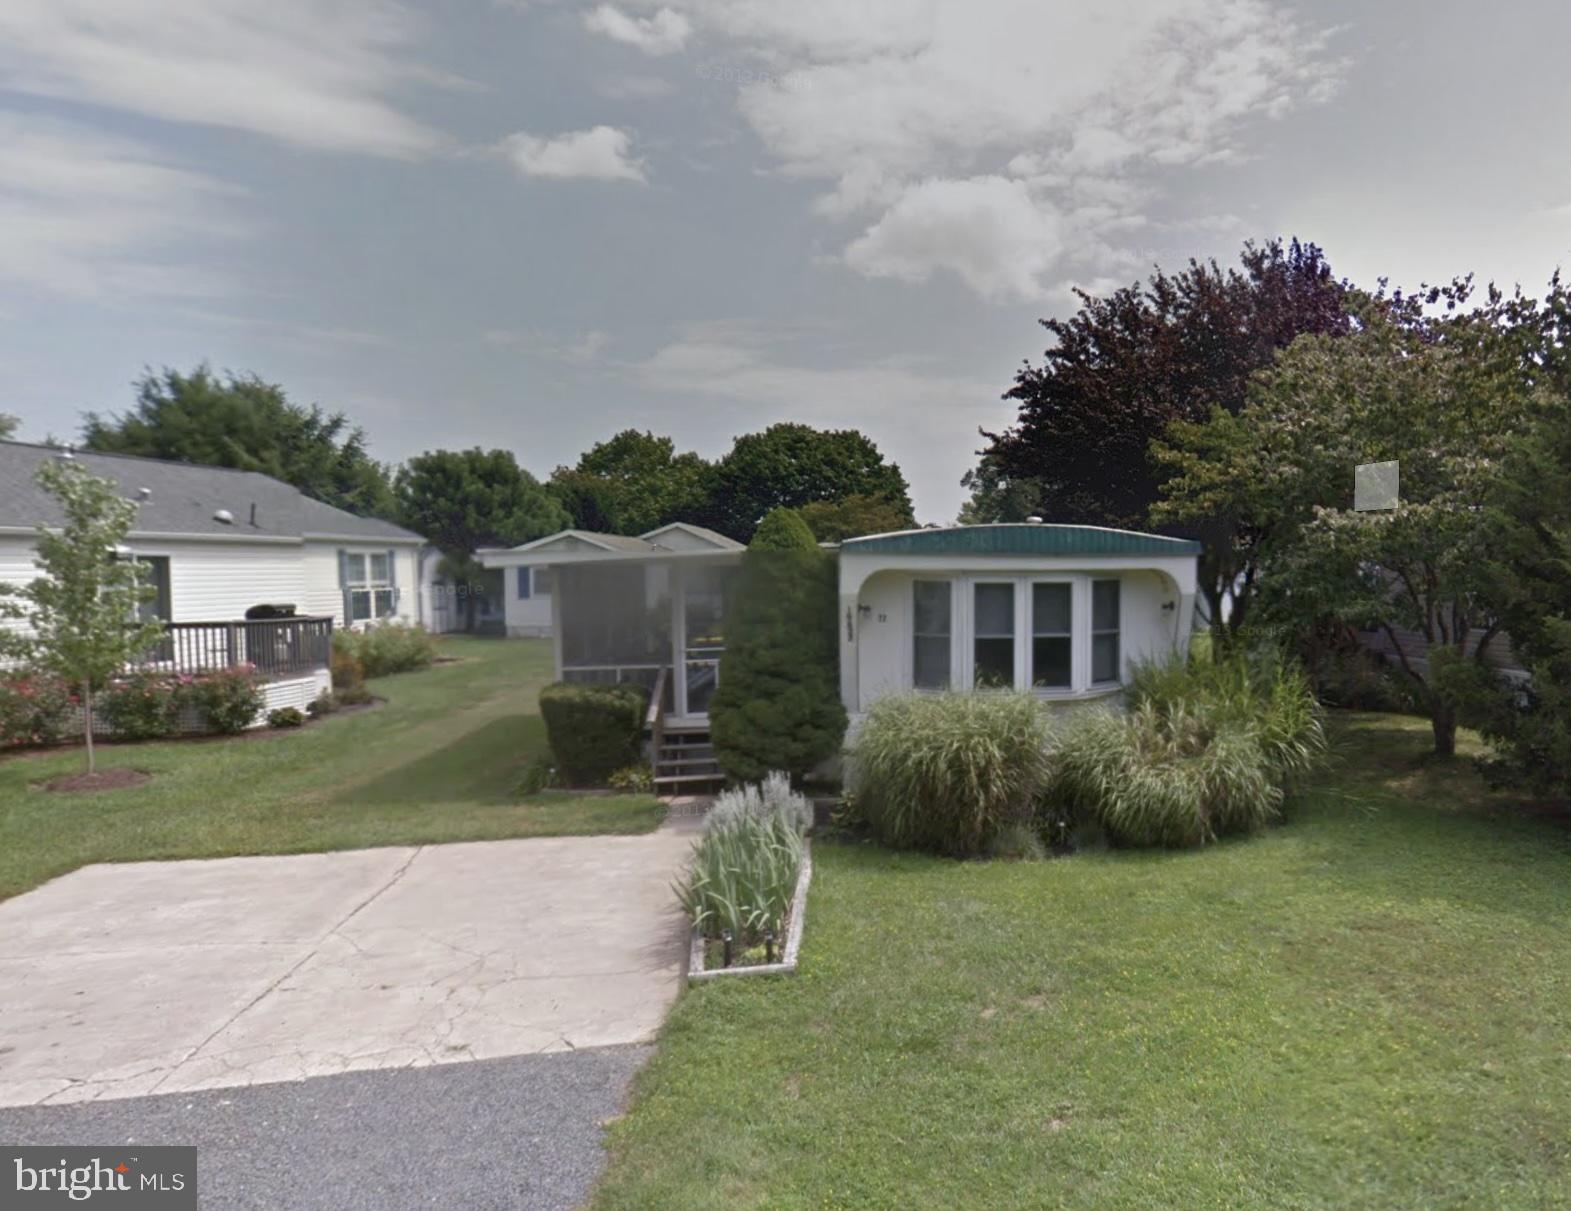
(778, 702)
(1206, 749)
(537, 775)
(142, 706)
(35, 709)
(347, 672)
(743, 877)
(229, 700)
(286, 716)
(594, 730)
(633, 780)
(323, 705)
(389, 647)
(949, 772)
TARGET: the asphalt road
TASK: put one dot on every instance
(522, 1132)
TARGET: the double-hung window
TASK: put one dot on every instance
(932, 628)
(368, 583)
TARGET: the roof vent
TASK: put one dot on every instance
(1033, 520)
(225, 516)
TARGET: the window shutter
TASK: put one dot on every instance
(523, 584)
(392, 577)
(343, 585)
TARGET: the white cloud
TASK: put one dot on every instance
(1052, 123)
(88, 215)
(988, 230)
(664, 33)
(313, 73)
(597, 154)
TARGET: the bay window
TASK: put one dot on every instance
(1052, 634)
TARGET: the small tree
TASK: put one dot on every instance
(778, 703)
(82, 613)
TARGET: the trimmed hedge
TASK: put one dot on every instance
(594, 730)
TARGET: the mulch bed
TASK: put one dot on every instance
(100, 780)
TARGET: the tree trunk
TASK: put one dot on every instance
(1443, 720)
(87, 724)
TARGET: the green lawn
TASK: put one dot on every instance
(1367, 1007)
(436, 762)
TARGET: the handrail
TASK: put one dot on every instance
(654, 720)
(278, 648)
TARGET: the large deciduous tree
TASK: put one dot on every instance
(1439, 396)
(462, 500)
(1125, 367)
(854, 516)
(790, 465)
(81, 615)
(241, 421)
(631, 484)
(778, 702)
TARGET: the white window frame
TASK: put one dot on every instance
(963, 636)
(364, 587)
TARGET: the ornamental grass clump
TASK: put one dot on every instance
(1206, 749)
(949, 772)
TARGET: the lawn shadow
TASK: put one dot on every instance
(480, 767)
(1390, 820)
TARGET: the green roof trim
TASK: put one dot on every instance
(1028, 538)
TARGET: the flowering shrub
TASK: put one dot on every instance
(34, 709)
(142, 706)
(229, 700)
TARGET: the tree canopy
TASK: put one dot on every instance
(632, 483)
(243, 422)
(788, 466)
(462, 500)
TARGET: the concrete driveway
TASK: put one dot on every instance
(162, 977)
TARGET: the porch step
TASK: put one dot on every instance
(686, 759)
(687, 779)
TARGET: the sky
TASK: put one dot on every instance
(533, 223)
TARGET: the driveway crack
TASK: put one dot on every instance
(391, 882)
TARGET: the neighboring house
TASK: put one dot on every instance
(1059, 610)
(218, 542)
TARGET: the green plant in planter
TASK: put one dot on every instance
(743, 877)
(228, 700)
(142, 706)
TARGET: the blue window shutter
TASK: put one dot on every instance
(343, 585)
(523, 584)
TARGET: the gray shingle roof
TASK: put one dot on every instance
(183, 498)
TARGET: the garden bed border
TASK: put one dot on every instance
(787, 965)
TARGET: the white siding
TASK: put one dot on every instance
(525, 616)
(883, 648)
(321, 592)
(216, 582)
(16, 567)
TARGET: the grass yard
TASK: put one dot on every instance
(436, 762)
(1368, 1007)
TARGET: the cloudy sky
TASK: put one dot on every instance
(531, 223)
